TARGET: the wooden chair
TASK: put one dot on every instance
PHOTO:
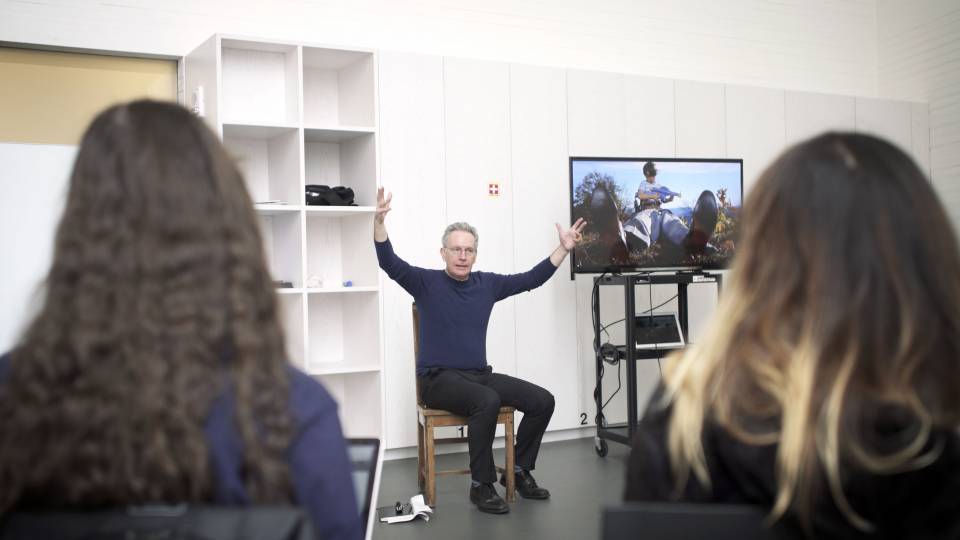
(428, 419)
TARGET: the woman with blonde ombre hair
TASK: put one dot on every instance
(827, 389)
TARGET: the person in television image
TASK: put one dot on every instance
(825, 389)
(155, 370)
(651, 224)
(454, 306)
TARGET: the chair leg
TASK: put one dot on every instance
(431, 472)
(420, 460)
(508, 458)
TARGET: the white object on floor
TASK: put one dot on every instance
(417, 508)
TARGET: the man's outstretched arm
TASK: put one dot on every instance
(409, 277)
(512, 284)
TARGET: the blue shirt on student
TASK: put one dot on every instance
(319, 466)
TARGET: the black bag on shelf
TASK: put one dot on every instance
(320, 195)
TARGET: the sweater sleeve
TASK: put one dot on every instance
(509, 285)
(406, 275)
(319, 464)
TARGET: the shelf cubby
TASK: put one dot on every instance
(291, 310)
(339, 87)
(282, 235)
(356, 392)
(343, 330)
(340, 249)
(348, 161)
(261, 82)
(269, 158)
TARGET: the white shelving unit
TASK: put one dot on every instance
(295, 114)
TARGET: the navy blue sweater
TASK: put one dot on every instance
(454, 314)
(319, 465)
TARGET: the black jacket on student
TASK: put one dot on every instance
(917, 504)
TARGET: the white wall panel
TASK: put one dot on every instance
(546, 317)
(33, 180)
(920, 135)
(595, 113)
(919, 51)
(412, 168)
(701, 132)
(701, 120)
(615, 116)
(650, 128)
(945, 135)
(812, 114)
(597, 127)
(755, 128)
(586, 365)
(477, 149)
(886, 119)
(918, 44)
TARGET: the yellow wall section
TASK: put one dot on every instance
(50, 97)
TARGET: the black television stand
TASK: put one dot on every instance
(623, 433)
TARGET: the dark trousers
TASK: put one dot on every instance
(478, 395)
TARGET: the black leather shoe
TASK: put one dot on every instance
(526, 486)
(604, 218)
(702, 223)
(486, 498)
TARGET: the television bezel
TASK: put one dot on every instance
(624, 269)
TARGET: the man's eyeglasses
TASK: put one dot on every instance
(458, 251)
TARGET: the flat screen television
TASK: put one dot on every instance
(646, 214)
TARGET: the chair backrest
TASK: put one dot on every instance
(416, 349)
(691, 521)
(181, 522)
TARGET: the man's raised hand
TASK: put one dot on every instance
(570, 237)
(383, 205)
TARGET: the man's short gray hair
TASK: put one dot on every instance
(460, 226)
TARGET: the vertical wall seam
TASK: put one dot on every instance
(443, 130)
(676, 126)
(513, 217)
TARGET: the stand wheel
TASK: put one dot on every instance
(601, 448)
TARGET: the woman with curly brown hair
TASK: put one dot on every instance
(155, 371)
(826, 389)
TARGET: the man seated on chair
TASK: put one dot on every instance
(454, 305)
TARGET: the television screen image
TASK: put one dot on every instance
(655, 213)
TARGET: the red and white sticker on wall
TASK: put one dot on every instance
(493, 189)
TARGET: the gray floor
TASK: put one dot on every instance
(580, 483)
